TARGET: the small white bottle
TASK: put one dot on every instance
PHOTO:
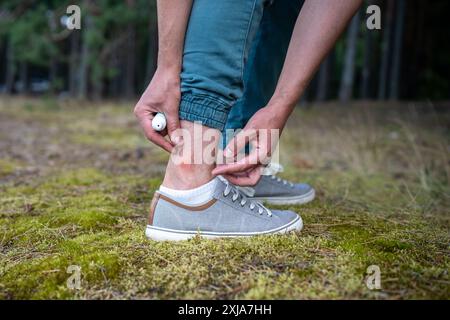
(159, 122)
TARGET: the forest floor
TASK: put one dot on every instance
(76, 182)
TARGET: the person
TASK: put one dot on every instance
(225, 65)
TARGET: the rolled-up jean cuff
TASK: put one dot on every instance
(209, 111)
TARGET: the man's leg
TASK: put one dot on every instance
(218, 40)
(190, 201)
(219, 37)
(266, 59)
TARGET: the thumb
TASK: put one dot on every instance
(173, 123)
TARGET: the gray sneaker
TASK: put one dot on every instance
(228, 214)
(275, 190)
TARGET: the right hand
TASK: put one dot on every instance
(162, 95)
(262, 132)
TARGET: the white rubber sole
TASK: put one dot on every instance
(163, 234)
(302, 199)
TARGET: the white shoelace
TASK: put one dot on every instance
(272, 169)
(237, 194)
(284, 181)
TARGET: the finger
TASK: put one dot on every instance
(242, 165)
(153, 136)
(239, 142)
(163, 133)
(173, 123)
(248, 162)
(249, 179)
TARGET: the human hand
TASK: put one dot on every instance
(162, 95)
(262, 132)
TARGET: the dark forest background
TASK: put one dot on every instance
(114, 54)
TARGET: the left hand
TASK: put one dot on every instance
(262, 132)
(163, 95)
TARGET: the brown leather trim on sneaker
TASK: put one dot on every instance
(152, 208)
(194, 208)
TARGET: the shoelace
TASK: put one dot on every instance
(284, 181)
(237, 194)
(272, 169)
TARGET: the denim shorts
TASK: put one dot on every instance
(233, 55)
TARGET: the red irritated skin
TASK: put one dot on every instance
(318, 26)
(262, 132)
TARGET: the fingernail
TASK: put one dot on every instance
(227, 153)
(176, 140)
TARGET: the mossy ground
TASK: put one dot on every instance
(76, 182)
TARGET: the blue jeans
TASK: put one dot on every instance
(233, 54)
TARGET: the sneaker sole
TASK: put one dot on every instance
(163, 234)
(302, 199)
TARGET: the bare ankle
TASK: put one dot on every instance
(187, 176)
(190, 173)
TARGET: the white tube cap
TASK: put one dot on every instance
(159, 122)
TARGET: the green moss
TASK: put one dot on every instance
(47, 278)
(110, 138)
(377, 204)
(7, 167)
(79, 177)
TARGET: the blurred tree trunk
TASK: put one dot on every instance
(24, 79)
(418, 27)
(347, 80)
(152, 51)
(53, 66)
(97, 84)
(130, 63)
(53, 74)
(74, 59)
(386, 49)
(324, 79)
(130, 58)
(10, 68)
(367, 65)
(397, 50)
(83, 76)
(114, 84)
